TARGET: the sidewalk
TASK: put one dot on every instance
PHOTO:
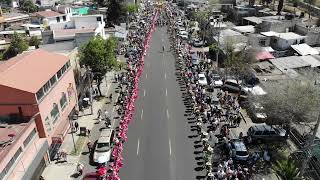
(64, 170)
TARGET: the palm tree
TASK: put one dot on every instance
(287, 170)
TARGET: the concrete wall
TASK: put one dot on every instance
(313, 35)
(254, 40)
(81, 38)
(11, 99)
(283, 44)
(47, 37)
(87, 21)
(279, 27)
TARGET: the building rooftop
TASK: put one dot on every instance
(253, 19)
(9, 134)
(314, 60)
(290, 36)
(70, 33)
(29, 71)
(244, 29)
(290, 62)
(59, 47)
(304, 49)
(48, 13)
(229, 32)
(14, 15)
(286, 36)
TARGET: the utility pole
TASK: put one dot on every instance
(309, 148)
(220, 20)
(71, 125)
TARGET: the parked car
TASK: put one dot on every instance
(103, 145)
(202, 79)
(263, 132)
(194, 59)
(197, 43)
(256, 112)
(184, 35)
(217, 81)
(237, 150)
(231, 86)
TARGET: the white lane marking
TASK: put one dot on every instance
(166, 92)
(138, 147)
(168, 114)
(141, 113)
(169, 146)
(144, 92)
(165, 75)
(146, 76)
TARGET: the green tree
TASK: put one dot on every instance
(116, 11)
(99, 55)
(34, 41)
(131, 8)
(28, 6)
(287, 170)
(213, 50)
(18, 45)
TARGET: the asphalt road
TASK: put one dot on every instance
(158, 146)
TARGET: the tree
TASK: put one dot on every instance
(287, 170)
(131, 8)
(213, 50)
(280, 6)
(99, 55)
(34, 41)
(18, 45)
(291, 101)
(116, 11)
(28, 6)
(238, 62)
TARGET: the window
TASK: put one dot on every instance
(53, 80)
(39, 94)
(46, 87)
(29, 138)
(59, 74)
(63, 70)
(99, 19)
(262, 42)
(58, 19)
(47, 123)
(54, 113)
(63, 101)
(68, 64)
(64, 18)
(11, 163)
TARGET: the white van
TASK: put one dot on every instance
(103, 145)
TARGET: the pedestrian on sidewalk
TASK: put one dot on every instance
(76, 125)
(110, 98)
(99, 114)
(80, 168)
(90, 146)
(88, 132)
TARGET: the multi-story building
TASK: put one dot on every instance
(37, 92)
